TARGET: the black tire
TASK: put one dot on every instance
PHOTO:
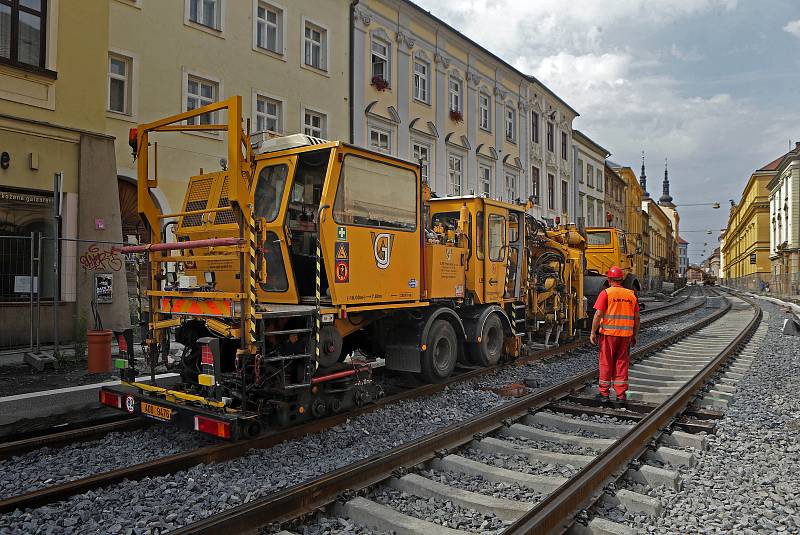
(439, 359)
(488, 351)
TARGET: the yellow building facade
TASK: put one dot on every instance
(660, 246)
(746, 240)
(634, 217)
(52, 120)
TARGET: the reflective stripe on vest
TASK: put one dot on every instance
(620, 314)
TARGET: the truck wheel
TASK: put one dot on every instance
(439, 359)
(488, 351)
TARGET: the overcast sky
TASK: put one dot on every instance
(710, 84)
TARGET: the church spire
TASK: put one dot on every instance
(643, 180)
(666, 198)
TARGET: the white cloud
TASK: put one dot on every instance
(685, 55)
(793, 27)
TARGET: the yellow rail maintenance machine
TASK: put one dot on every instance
(305, 264)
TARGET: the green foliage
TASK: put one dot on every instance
(80, 337)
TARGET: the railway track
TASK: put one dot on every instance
(221, 452)
(666, 380)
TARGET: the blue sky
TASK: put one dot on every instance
(710, 84)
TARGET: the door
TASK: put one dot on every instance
(496, 250)
(515, 221)
(270, 199)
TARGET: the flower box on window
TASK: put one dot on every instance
(456, 116)
(379, 83)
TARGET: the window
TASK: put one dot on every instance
(550, 137)
(119, 84)
(535, 188)
(421, 70)
(315, 46)
(598, 174)
(22, 32)
(205, 12)
(380, 59)
(376, 194)
(590, 212)
(535, 127)
(601, 216)
(269, 191)
(564, 196)
(589, 175)
(455, 169)
(479, 234)
(269, 28)
(485, 179)
(511, 187)
(455, 95)
(497, 237)
(422, 155)
(602, 237)
(380, 139)
(484, 108)
(200, 92)
(551, 191)
(563, 145)
(314, 124)
(581, 211)
(268, 114)
(511, 124)
(580, 170)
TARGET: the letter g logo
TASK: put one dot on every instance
(382, 249)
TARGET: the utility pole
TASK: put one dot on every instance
(58, 179)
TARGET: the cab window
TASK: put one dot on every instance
(599, 238)
(497, 237)
(269, 191)
(376, 194)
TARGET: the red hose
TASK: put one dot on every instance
(337, 375)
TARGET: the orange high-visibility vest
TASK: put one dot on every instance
(620, 313)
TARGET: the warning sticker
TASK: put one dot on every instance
(342, 270)
(341, 233)
(343, 251)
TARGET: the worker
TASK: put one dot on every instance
(616, 318)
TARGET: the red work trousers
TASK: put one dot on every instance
(615, 358)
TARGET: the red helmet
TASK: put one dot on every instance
(615, 273)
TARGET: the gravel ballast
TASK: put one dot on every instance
(167, 502)
(746, 481)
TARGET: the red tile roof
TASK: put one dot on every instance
(682, 241)
(774, 164)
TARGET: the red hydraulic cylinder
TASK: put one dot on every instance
(337, 375)
(177, 246)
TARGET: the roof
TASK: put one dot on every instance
(682, 241)
(588, 141)
(774, 164)
(529, 77)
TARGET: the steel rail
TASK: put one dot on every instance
(224, 452)
(308, 496)
(555, 514)
(60, 438)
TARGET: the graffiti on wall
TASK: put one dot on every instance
(96, 258)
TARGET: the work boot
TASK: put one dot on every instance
(600, 398)
(620, 402)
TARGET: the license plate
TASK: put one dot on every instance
(162, 413)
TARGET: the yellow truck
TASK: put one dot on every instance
(305, 264)
(606, 247)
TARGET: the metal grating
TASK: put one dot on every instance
(197, 199)
(226, 217)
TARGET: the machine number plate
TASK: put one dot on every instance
(162, 413)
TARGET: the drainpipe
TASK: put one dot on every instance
(350, 103)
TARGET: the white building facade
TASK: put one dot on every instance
(784, 215)
(590, 159)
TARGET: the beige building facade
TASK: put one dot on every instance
(423, 91)
(615, 195)
(288, 61)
